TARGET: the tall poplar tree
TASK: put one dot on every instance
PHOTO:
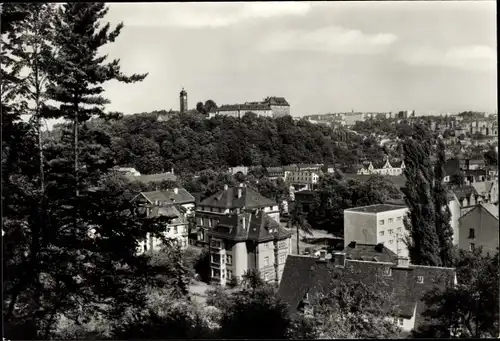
(444, 230)
(422, 241)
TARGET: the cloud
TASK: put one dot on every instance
(333, 39)
(471, 57)
(203, 15)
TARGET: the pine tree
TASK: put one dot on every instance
(422, 241)
(78, 71)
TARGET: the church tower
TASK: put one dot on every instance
(183, 97)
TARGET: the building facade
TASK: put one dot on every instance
(270, 107)
(247, 241)
(383, 168)
(377, 224)
(307, 178)
(176, 204)
(479, 227)
(231, 200)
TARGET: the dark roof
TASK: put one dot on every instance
(396, 164)
(303, 274)
(378, 164)
(277, 101)
(275, 170)
(244, 107)
(169, 211)
(452, 167)
(257, 226)
(169, 196)
(379, 208)
(486, 207)
(370, 252)
(228, 198)
(153, 177)
(308, 166)
(464, 192)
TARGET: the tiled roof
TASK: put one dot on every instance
(257, 226)
(379, 208)
(483, 188)
(169, 196)
(275, 169)
(378, 164)
(278, 101)
(244, 107)
(491, 208)
(370, 252)
(153, 177)
(169, 211)
(228, 198)
(303, 275)
(464, 192)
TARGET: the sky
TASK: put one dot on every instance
(428, 56)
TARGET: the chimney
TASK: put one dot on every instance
(225, 187)
(239, 192)
(172, 170)
(176, 190)
(403, 262)
(339, 259)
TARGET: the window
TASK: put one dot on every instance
(472, 234)
(175, 229)
(420, 279)
(229, 274)
(401, 321)
(282, 259)
(282, 244)
(391, 241)
(266, 245)
(215, 259)
(398, 219)
(381, 222)
(381, 233)
(229, 259)
(266, 261)
(387, 271)
(391, 220)
(399, 229)
(471, 246)
(391, 231)
(266, 276)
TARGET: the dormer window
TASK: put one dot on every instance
(420, 279)
(387, 271)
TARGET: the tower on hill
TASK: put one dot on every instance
(183, 97)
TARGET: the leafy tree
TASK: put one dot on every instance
(491, 157)
(298, 219)
(457, 179)
(260, 306)
(469, 309)
(354, 309)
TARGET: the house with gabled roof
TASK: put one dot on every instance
(304, 278)
(247, 241)
(383, 168)
(231, 200)
(479, 228)
(176, 204)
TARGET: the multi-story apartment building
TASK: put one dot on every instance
(479, 227)
(383, 168)
(175, 204)
(377, 224)
(231, 200)
(247, 241)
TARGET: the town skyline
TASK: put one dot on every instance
(322, 57)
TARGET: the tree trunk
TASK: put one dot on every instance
(298, 238)
(75, 147)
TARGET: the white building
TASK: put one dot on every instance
(383, 168)
(307, 178)
(377, 224)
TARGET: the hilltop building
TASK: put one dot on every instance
(270, 107)
(183, 98)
